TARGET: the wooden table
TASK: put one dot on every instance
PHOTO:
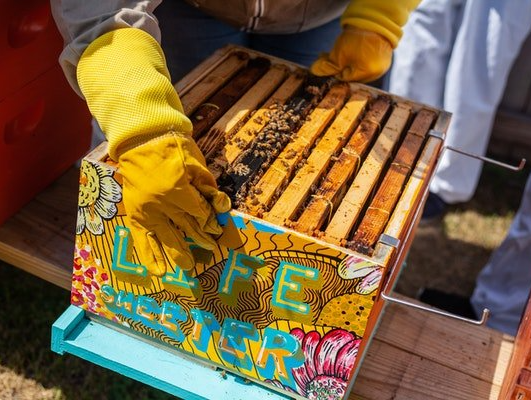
(414, 354)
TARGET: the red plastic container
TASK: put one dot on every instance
(44, 128)
(29, 43)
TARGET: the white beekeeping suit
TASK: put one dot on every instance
(457, 55)
(504, 283)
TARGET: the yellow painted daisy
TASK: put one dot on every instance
(98, 195)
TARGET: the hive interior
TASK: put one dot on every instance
(320, 156)
(344, 167)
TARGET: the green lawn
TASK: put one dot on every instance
(28, 368)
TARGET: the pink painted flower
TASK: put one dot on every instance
(90, 272)
(87, 280)
(366, 272)
(328, 363)
(76, 298)
(84, 254)
(77, 263)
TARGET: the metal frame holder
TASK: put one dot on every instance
(481, 321)
(441, 135)
(393, 242)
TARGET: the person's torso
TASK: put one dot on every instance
(273, 16)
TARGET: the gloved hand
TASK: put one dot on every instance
(358, 55)
(167, 188)
(363, 51)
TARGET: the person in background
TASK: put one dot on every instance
(457, 55)
(504, 284)
(114, 59)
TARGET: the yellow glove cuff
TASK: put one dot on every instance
(385, 17)
(127, 86)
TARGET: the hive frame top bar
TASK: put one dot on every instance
(99, 154)
(385, 249)
(184, 85)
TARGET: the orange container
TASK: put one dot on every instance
(30, 43)
(44, 128)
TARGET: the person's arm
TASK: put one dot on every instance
(121, 71)
(371, 30)
(81, 22)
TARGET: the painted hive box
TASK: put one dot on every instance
(327, 180)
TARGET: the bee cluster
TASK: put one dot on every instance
(283, 121)
(325, 158)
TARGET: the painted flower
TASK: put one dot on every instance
(98, 195)
(87, 280)
(370, 274)
(328, 363)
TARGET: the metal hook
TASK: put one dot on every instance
(387, 288)
(479, 322)
(518, 167)
(390, 241)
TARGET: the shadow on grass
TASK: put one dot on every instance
(499, 191)
(447, 254)
(436, 261)
(29, 307)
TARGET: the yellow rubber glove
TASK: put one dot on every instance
(167, 189)
(363, 51)
(358, 55)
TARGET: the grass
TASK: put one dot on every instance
(448, 254)
(28, 368)
(445, 255)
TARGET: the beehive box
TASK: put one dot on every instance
(516, 383)
(327, 179)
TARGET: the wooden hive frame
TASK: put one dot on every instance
(342, 192)
(415, 160)
(318, 169)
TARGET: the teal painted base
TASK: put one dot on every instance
(183, 377)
